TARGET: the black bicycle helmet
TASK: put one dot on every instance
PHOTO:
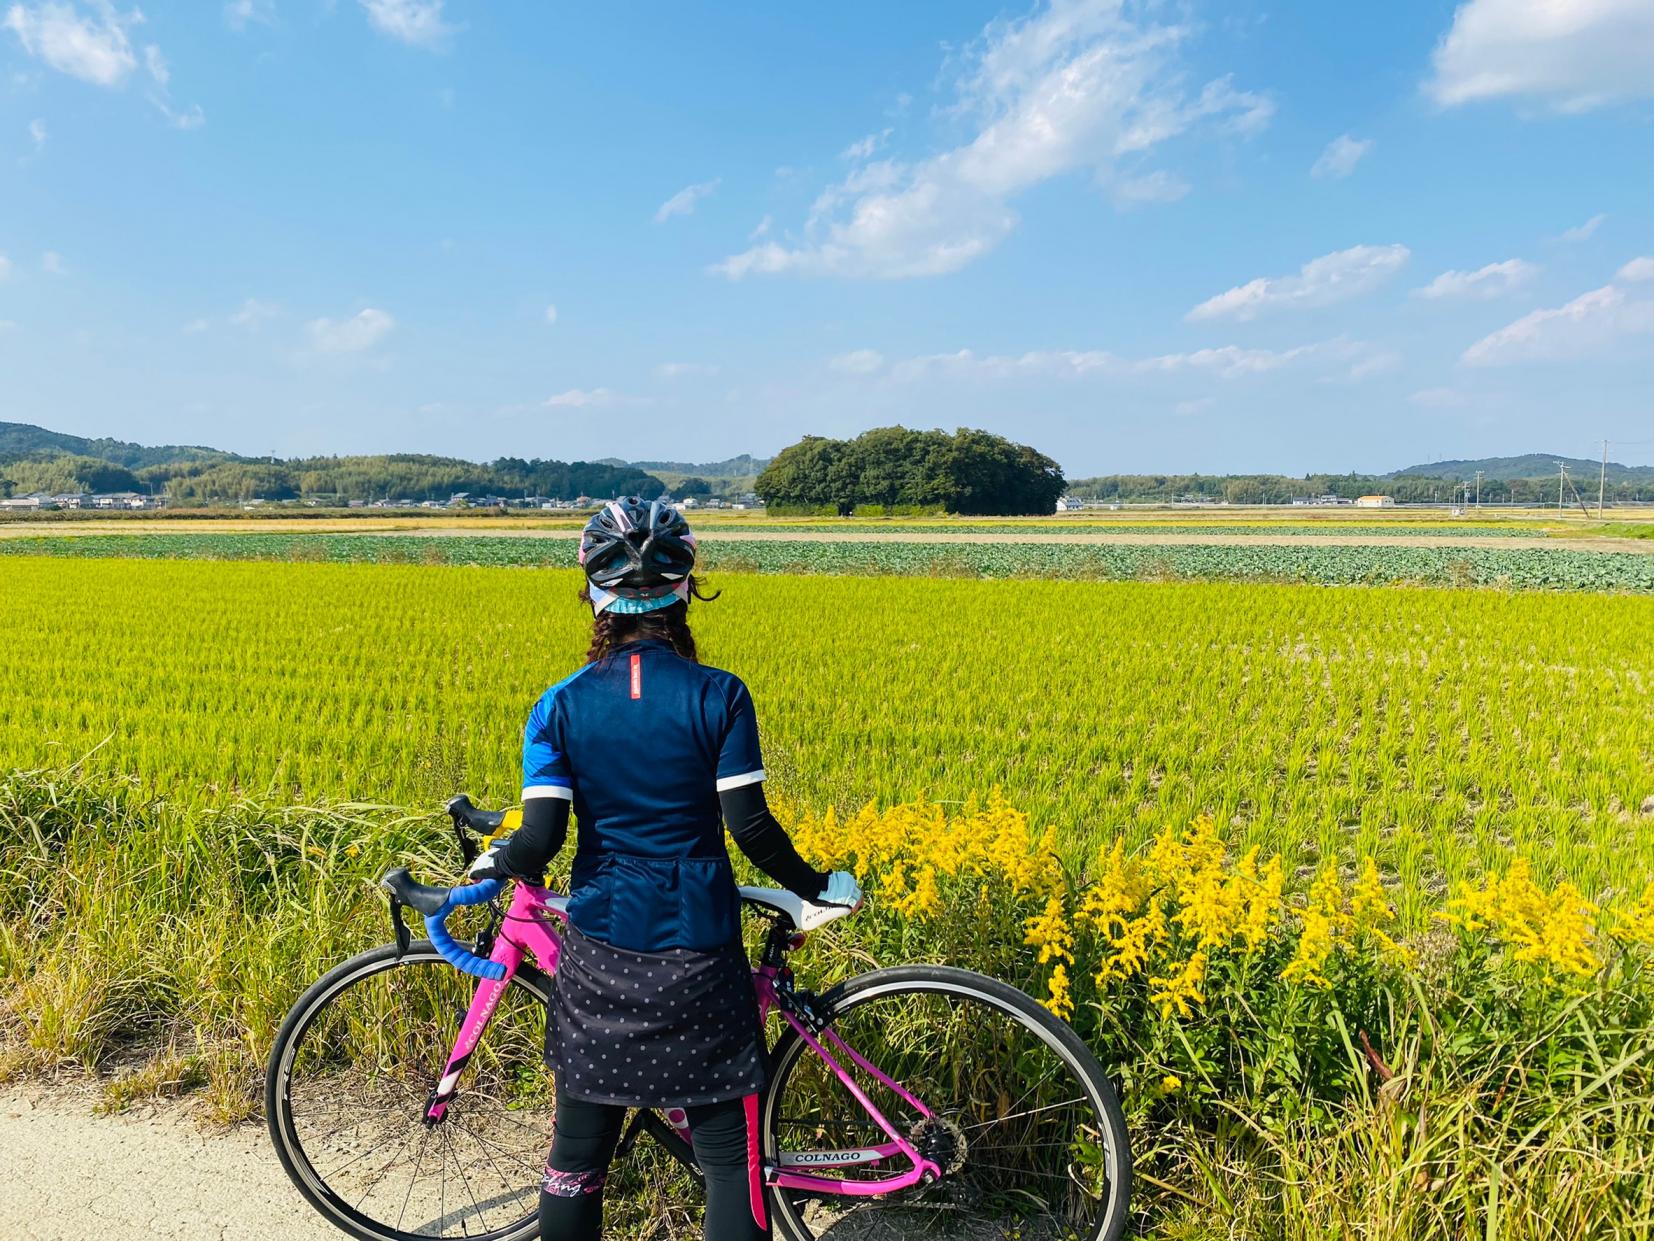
(638, 555)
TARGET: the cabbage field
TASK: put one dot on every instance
(1334, 564)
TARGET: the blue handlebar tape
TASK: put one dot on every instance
(436, 927)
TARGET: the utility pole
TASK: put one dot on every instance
(1478, 489)
(1561, 477)
(1602, 479)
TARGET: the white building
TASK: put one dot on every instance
(1375, 502)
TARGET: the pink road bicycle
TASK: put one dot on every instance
(407, 1095)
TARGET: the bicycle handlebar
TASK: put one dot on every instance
(436, 928)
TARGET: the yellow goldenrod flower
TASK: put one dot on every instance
(1049, 932)
(1324, 923)
(1058, 999)
(1175, 990)
(1555, 930)
(1170, 1082)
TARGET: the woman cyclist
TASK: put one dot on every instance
(653, 1004)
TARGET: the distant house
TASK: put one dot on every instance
(124, 499)
(73, 499)
(28, 504)
(1375, 502)
(1069, 504)
(1324, 500)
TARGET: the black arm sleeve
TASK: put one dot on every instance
(766, 843)
(545, 828)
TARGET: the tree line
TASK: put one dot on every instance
(397, 477)
(1282, 489)
(899, 470)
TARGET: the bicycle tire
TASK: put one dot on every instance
(945, 980)
(279, 1118)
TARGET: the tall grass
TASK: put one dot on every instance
(1445, 1089)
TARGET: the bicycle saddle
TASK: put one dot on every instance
(804, 915)
(422, 897)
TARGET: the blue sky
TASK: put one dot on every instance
(1249, 236)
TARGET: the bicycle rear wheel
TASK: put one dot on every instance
(1024, 1124)
(345, 1098)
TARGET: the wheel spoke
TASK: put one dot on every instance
(359, 1069)
(1015, 1127)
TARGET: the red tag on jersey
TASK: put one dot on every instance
(637, 676)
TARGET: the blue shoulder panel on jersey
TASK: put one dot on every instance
(545, 770)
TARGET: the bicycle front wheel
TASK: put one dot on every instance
(1023, 1123)
(345, 1095)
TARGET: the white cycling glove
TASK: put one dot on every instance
(842, 890)
(487, 865)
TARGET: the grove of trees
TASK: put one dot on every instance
(969, 472)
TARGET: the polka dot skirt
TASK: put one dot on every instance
(653, 1029)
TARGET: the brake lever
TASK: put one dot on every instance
(467, 847)
(404, 937)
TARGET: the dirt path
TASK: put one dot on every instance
(67, 1174)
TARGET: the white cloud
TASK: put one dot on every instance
(1583, 232)
(363, 330)
(37, 133)
(191, 117)
(858, 362)
(254, 312)
(1340, 157)
(583, 398)
(1152, 187)
(1569, 54)
(551, 314)
(5, 267)
(416, 22)
(683, 202)
(1334, 277)
(864, 149)
(1483, 284)
(94, 48)
(762, 230)
(157, 65)
(239, 13)
(685, 370)
(1339, 358)
(52, 262)
(1589, 326)
(1076, 84)
(1636, 270)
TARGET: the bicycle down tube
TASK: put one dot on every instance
(526, 930)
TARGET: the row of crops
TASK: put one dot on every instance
(1341, 564)
(1330, 529)
(1435, 729)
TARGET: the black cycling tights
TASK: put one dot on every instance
(726, 1147)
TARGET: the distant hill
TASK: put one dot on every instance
(22, 439)
(35, 459)
(1533, 465)
(736, 467)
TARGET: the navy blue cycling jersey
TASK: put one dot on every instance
(642, 742)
